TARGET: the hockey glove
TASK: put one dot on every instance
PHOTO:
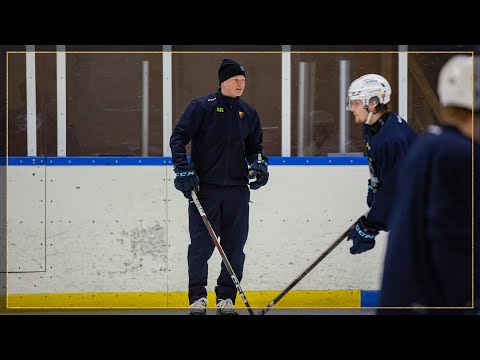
(258, 169)
(186, 179)
(363, 236)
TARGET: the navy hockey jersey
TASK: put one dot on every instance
(387, 141)
(429, 253)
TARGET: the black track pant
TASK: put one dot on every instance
(227, 209)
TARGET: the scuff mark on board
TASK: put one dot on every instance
(147, 244)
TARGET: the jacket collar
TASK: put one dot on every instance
(226, 99)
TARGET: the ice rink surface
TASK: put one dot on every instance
(153, 312)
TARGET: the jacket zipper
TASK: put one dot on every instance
(228, 144)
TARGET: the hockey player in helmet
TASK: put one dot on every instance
(428, 261)
(388, 138)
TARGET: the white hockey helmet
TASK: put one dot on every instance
(367, 87)
(455, 82)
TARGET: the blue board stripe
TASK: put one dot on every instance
(369, 298)
(139, 161)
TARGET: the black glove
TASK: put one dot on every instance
(363, 236)
(186, 179)
(258, 169)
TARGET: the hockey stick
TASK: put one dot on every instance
(220, 250)
(310, 268)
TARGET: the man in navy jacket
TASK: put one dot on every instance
(226, 150)
(428, 262)
(388, 138)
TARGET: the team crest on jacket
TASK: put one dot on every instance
(241, 114)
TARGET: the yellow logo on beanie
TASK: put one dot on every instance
(219, 109)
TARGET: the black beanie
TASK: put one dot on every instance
(228, 69)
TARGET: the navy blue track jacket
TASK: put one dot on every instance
(429, 254)
(224, 132)
(387, 142)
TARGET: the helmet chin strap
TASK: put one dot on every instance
(370, 114)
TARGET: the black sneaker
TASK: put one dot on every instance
(225, 307)
(199, 307)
